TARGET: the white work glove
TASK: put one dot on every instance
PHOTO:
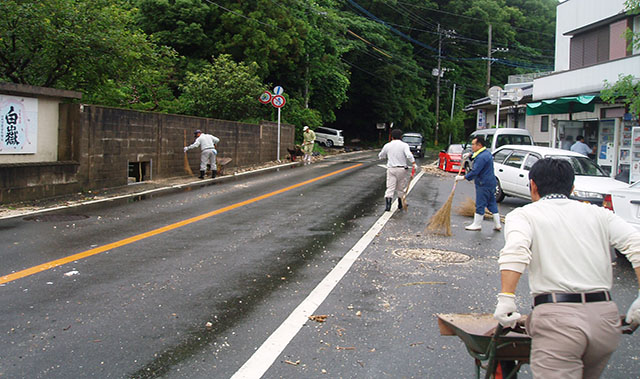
(506, 310)
(633, 314)
(466, 155)
(459, 178)
(185, 149)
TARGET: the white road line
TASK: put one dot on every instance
(264, 357)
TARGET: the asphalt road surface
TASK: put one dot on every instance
(218, 282)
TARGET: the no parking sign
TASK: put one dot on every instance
(278, 101)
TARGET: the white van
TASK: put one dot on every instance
(496, 137)
(329, 137)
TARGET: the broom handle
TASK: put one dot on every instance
(459, 172)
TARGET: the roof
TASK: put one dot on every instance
(542, 150)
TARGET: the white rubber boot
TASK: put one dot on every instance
(496, 221)
(477, 222)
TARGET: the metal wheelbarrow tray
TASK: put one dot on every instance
(485, 340)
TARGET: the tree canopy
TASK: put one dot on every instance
(343, 63)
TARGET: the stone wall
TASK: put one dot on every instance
(97, 146)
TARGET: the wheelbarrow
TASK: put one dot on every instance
(504, 350)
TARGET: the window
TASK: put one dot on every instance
(501, 155)
(515, 159)
(636, 31)
(531, 159)
(544, 124)
(589, 48)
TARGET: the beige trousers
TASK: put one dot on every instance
(397, 178)
(573, 340)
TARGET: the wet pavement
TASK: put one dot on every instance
(198, 300)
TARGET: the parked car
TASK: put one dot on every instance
(329, 137)
(496, 137)
(450, 158)
(511, 165)
(625, 202)
(415, 142)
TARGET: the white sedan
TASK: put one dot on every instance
(512, 163)
(625, 202)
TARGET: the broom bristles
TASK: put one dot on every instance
(441, 221)
(187, 168)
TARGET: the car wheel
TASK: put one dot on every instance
(499, 193)
(329, 143)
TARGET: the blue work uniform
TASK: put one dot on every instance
(485, 181)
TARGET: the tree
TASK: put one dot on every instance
(81, 45)
(223, 89)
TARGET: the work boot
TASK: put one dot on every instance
(477, 223)
(201, 174)
(389, 201)
(496, 222)
(399, 203)
(214, 173)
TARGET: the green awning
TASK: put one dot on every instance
(571, 104)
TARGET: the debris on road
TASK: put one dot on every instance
(318, 318)
(292, 363)
(209, 325)
(70, 273)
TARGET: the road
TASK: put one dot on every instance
(192, 284)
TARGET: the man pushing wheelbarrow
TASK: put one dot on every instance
(575, 325)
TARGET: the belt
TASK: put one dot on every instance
(571, 297)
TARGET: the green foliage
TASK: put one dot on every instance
(625, 90)
(70, 44)
(223, 89)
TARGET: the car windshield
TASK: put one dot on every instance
(455, 149)
(582, 166)
(412, 139)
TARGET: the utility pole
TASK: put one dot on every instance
(489, 61)
(438, 86)
(453, 103)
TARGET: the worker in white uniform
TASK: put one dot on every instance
(574, 325)
(399, 157)
(208, 152)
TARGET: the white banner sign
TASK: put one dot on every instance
(18, 125)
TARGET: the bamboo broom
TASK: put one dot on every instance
(406, 190)
(187, 168)
(440, 222)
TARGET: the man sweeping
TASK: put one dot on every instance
(485, 181)
(208, 153)
(309, 138)
(398, 157)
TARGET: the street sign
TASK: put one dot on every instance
(381, 125)
(278, 101)
(265, 98)
(278, 90)
(495, 93)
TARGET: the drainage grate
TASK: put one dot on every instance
(56, 218)
(432, 255)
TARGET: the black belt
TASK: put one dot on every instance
(572, 297)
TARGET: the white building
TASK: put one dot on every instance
(590, 48)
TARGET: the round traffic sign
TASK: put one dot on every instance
(495, 93)
(277, 90)
(278, 101)
(265, 98)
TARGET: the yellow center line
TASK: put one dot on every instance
(151, 233)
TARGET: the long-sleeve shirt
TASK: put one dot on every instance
(398, 154)
(482, 171)
(205, 142)
(566, 245)
(308, 137)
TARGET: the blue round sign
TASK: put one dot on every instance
(278, 90)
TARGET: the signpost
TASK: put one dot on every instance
(496, 94)
(277, 100)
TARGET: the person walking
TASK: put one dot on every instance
(485, 182)
(580, 147)
(208, 152)
(398, 157)
(566, 246)
(309, 138)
